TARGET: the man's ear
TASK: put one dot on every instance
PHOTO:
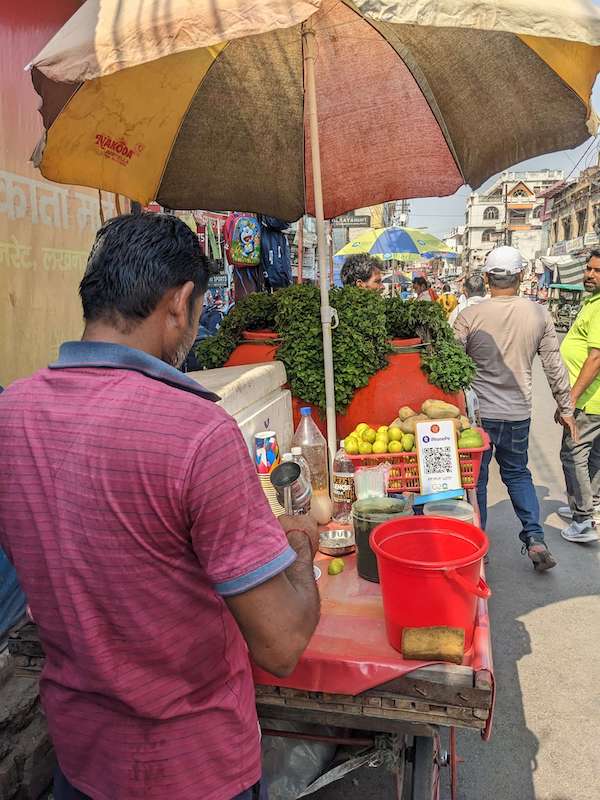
(179, 304)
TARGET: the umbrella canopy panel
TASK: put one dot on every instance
(404, 110)
(399, 243)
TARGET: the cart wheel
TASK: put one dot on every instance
(426, 768)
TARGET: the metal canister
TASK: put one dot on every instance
(292, 487)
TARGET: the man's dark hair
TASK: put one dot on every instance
(359, 267)
(420, 281)
(474, 286)
(503, 281)
(135, 259)
(446, 288)
(592, 254)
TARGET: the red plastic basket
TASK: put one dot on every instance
(404, 474)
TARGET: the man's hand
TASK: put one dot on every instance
(569, 422)
(302, 526)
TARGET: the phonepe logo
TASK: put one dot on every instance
(426, 439)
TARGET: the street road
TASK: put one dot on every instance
(546, 634)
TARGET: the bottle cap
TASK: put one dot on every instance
(306, 411)
(296, 451)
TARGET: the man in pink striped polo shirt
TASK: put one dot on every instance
(150, 558)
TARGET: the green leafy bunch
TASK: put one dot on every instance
(410, 318)
(298, 321)
(360, 342)
(445, 363)
(448, 366)
(253, 313)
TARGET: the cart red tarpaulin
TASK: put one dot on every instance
(349, 652)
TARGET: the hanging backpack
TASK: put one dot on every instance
(241, 235)
(275, 252)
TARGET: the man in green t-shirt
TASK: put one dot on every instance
(581, 459)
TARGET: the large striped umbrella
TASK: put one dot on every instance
(201, 103)
(318, 106)
(396, 243)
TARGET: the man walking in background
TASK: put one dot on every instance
(474, 289)
(581, 459)
(502, 335)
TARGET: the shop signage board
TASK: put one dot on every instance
(352, 221)
(219, 281)
(437, 456)
(575, 245)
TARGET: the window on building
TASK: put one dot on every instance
(566, 226)
(555, 231)
(488, 235)
(520, 194)
(537, 212)
(491, 213)
(581, 221)
(518, 216)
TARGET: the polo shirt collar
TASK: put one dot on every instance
(117, 356)
(592, 298)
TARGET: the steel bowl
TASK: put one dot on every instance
(339, 542)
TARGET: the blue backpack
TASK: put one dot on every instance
(275, 252)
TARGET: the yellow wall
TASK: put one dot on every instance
(45, 229)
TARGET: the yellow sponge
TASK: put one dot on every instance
(434, 644)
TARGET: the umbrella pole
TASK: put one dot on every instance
(326, 310)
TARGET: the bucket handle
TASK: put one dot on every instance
(481, 590)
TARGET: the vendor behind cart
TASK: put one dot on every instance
(363, 271)
(144, 542)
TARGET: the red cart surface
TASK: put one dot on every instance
(351, 678)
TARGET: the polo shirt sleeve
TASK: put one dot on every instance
(593, 335)
(236, 538)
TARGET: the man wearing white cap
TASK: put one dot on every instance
(503, 335)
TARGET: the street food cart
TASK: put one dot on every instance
(387, 708)
(564, 302)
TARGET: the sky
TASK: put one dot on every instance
(440, 214)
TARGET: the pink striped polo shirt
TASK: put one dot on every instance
(130, 507)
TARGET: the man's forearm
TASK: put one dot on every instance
(555, 370)
(301, 576)
(589, 373)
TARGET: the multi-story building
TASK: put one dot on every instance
(573, 213)
(509, 212)
(455, 241)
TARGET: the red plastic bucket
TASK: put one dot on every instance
(430, 574)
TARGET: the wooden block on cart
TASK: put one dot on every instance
(434, 644)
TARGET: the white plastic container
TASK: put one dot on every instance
(454, 509)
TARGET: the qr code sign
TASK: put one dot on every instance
(437, 459)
